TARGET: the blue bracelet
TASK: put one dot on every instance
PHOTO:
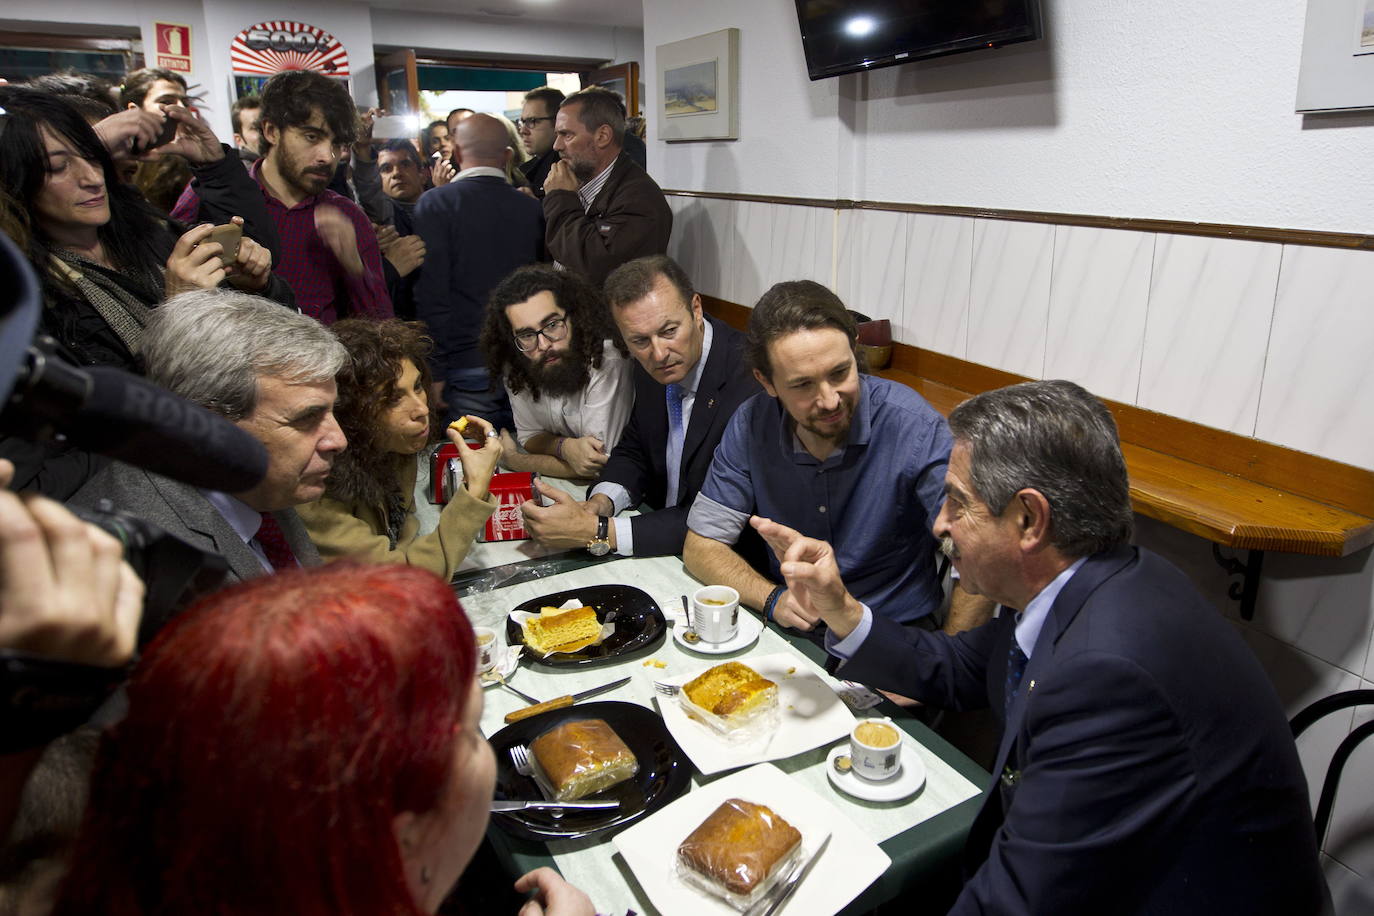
(773, 597)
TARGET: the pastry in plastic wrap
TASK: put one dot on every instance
(557, 630)
(582, 758)
(739, 851)
(731, 697)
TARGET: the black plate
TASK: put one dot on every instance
(639, 625)
(664, 772)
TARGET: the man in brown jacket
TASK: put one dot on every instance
(600, 208)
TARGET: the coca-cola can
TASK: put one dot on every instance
(511, 490)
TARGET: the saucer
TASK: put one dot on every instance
(748, 630)
(507, 659)
(910, 776)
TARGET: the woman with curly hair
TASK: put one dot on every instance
(368, 508)
(549, 337)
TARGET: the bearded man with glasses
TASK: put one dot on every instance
(549, 337)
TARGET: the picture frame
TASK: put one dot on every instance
(1337, 69)
(698, 87)
(622, 79)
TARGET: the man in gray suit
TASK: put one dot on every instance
(271, 372)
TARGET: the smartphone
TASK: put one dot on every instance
(168, 134)
(229, 235)
(391, 127)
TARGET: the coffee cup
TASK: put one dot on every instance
(488, 648)
(875, 748)
(715, 613)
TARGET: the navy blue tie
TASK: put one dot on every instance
(673, 394)
(1016, 666)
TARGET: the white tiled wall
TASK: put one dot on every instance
(1265, 340)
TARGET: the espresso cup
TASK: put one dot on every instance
(875, 748)
(715, 613)
(488, 647)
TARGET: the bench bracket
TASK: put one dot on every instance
(1246, 590)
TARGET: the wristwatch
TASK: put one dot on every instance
(600, 545)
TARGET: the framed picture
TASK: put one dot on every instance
(1337, 70)
(698, 88)
(622, 79)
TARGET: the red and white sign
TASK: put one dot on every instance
(271, 47)
(173, 46)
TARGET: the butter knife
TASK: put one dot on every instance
(498, 806)
(774, 899)
(560, 702)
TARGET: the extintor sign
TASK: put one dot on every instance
(173, 46)
(271, 47)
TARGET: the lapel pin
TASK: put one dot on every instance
(711, 402)
(1031, 687)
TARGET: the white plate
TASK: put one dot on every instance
(907, 780)
(748, 630)
(811, 713)
(849, 864)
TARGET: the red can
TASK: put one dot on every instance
(510, 490)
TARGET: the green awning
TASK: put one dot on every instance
(447, 79)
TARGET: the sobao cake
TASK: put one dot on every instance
(732, 695)
(582, 758)
(556, 630)
(738, 851)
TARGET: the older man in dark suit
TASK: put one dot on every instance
(271, 372)
(691, 377)
(600, 208)
(1145, 764)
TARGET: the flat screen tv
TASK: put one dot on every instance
(840, 36)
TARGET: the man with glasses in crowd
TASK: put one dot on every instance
(536, 133)
(549, 338)
(692, 375)
(476, 230)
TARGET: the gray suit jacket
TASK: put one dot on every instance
(181, 511)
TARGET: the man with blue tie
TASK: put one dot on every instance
(691, 377)
(1145, 765)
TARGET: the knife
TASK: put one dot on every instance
(498, 806)
(775, 898)
(560, 702)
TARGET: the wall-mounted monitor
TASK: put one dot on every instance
(840, 36)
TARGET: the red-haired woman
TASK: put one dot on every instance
(368, 508)
(299, 744)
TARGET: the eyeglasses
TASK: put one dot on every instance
(554, 329)
(529, 122)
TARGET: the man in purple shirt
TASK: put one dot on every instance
(329, 253)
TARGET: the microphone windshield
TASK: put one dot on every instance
(134, 421)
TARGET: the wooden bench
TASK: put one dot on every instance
(1232, 490)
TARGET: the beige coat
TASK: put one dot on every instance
(358, 531)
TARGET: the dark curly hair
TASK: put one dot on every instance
(376, 349)
(579, 300)
(291, 98)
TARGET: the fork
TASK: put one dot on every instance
(667, 690)
(520, 756)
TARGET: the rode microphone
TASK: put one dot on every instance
(112, 413)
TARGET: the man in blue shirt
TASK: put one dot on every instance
(851, 459)
(1145, 764)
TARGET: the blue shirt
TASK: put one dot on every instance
(875, 500)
